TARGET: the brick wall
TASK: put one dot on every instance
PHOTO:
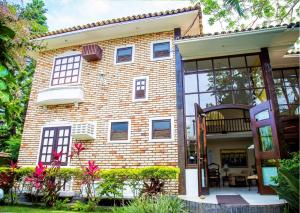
(110, 100)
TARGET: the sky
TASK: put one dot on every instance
(68, 13)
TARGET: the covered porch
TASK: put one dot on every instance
(243, 68)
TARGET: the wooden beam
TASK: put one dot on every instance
(180, 115)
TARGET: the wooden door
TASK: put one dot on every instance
(201, 151)
(267, 150)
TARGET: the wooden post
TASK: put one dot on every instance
(271, 95)
(180, 115)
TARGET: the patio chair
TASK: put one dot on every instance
(214, 178)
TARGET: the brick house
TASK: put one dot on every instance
(135, 91)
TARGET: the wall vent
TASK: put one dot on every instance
(84, 131)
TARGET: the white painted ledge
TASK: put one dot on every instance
(60, 95)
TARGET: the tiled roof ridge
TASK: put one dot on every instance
(120, 20)
(288, 26)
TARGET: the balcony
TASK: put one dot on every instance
(228, 125)
(60, 95)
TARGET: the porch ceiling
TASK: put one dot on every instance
(277, 39)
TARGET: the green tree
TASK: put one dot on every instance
(17, 25)
(233, 14)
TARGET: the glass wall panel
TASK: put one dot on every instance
(224, 97)
(190, 100)
(205, 65)
(190, 83)
(237, 62)
(221, 63)
(242, 97)
(191, 152)
(190, 125)
(223, 80)
(240, 78)
(206, 82)
(253, 60)
(256, 77)
(190, 66)
(207, 100)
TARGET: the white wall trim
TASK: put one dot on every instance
(109, 130)
(160, 41)
(66, 54)
(146, 92)
(161, 140)
(124, 46)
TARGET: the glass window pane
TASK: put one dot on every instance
(242, 97)
(290, 78)
(237, 62)
(190, 66)
(293, 95)
(161, 50)
(119, 131)
(277, 76)
(205, 65)
(259, 96)
(262, 115)
(207, 100)
(161, 129)
(256, 77)
(206, 82)
(190, 83)
(281, 95)
(224, 97)
(190, 100)
(221, 63)
(223, 80)
(284, 110)
(240, 78)
(269, 171)
(190, 128)
(124, 54)
(253, 60)
(191, 152)
(265, 138)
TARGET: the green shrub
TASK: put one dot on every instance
(84, 207)
(13, 146)
(288, 182)
(61, 204)
(160, 204)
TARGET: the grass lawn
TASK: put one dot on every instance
(27, 209)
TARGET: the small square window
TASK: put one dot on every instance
(161, 50)
(124, 55)
(161, 129)
(119, 131)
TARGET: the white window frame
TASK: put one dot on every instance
(129, 131)
(66, 54)
(161, 41)
(125, 46)
(172, 129)
(56, 124)
(146, 92)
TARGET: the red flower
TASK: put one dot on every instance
(92, 168)
(56, 155)
(78, 148)
(40, 170)
(14, 165)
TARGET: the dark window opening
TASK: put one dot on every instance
(161, 50)
(55, 139)
(119, 131)
(124, 55)
(161, 129)
(66, 70)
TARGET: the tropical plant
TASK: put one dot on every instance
(160, 204)
(8, 180)
(288, 182)
(233, 14)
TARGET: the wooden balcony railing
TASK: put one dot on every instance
(228, 125)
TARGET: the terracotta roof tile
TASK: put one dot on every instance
(288, 26)
(118, 20)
